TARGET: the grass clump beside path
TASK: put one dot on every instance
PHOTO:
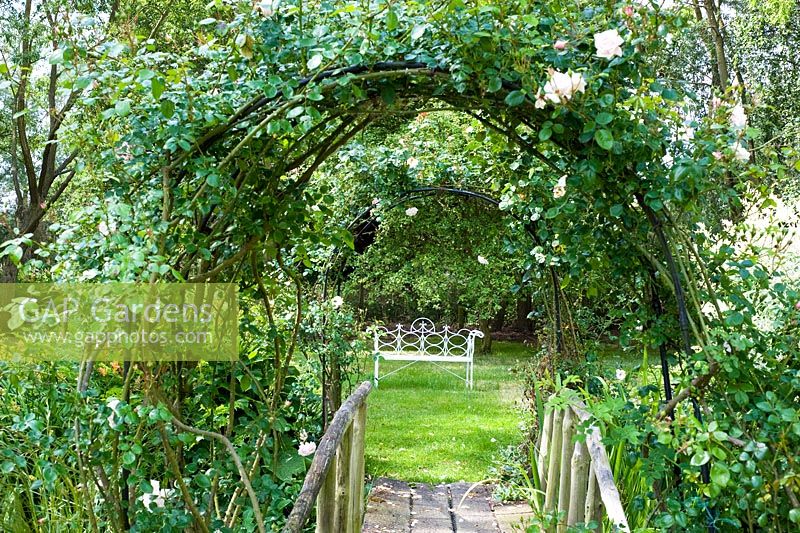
(424, 425)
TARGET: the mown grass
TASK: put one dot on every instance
(424, 425)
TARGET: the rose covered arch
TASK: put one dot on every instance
(393, 87)
(220, 147)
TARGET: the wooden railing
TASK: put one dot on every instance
(576, 478)
(336, 476)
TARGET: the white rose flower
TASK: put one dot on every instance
(482, 260)
(741, 153)
(562, 85)
(412, 162)
(267, 9)
(412, 211)
(337, 302)
(608, 44)
(112, 404)
(578, 82)
(738, 117)
(315, 208)
(560, 188)
(307, 448)
(621, 374)
(158, 496)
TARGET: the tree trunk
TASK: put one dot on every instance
(334, 392)
(499, 319)
(713, 18)
(25, 217)
(524, 308)
(461, 316)
(486, 343)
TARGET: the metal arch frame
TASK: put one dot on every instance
(422, 342)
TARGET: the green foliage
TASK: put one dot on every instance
(428, 264)
(204, 161)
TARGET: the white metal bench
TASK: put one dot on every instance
(423, 342)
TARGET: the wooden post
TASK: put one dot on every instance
(578, 484)
(567, 430)
(544, 448)
(592, 509)
(554, 463)
(342, 511)
(326, 502)
(575, 486)
(353, 525)
(609, 493)
(605, 480)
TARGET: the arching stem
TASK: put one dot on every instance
(683, 320)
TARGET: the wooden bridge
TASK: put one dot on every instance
(576, 484)
(396, 506)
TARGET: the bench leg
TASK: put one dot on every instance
(471, 374)
(375, 376)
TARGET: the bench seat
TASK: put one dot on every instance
(408, 356)
(422, 342)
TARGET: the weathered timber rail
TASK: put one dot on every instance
(576, 478)
(336, 476)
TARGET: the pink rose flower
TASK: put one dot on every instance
(307, 448)
(608, 44)
(560, 44)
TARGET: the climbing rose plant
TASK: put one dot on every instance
(212, 151)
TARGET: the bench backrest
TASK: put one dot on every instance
(422, 339)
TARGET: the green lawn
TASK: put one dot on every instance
(423, 425)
